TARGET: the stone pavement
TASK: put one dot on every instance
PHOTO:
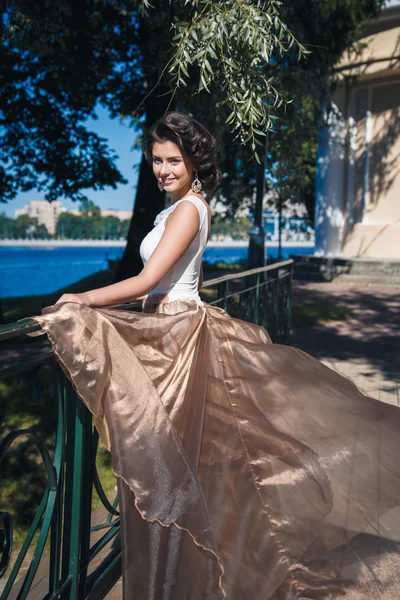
(366, 347)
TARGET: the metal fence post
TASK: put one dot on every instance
(288, 307)
(223, 294)
(274, 327)
(77, 497)
(257, 306)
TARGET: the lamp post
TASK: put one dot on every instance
(280, 229)
(256, 254)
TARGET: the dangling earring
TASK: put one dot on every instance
(160, 186)
(197, 186)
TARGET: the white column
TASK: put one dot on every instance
(352, 141)
(329, 219)
(368, 137)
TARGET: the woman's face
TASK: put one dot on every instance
(171, 168)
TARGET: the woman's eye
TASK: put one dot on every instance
(174, 161)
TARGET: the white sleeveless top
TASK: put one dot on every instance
(183, 279)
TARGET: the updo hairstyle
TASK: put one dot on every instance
(193, 140)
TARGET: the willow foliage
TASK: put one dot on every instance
(229, 43)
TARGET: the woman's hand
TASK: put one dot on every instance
(77, 298)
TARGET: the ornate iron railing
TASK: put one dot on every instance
(261, 296)
(64, 514)
(61, 533)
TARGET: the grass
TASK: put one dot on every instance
(23, 476)
(223, 267)
(310, 311)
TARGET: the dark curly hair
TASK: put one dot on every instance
(192, 139)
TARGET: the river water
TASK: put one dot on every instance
(36, 271)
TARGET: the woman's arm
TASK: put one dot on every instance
(181, 228)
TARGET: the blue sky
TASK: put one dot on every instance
(121, 139)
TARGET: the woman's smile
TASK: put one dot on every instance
(172, 169)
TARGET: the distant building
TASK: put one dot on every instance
(358, 176)
(293, 223)
(122, 215)
(45, 212)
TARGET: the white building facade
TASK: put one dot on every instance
(358, 174)
(45, 212)
(121, 214)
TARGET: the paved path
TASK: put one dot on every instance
(366, 347)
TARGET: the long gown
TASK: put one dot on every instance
(247, 470)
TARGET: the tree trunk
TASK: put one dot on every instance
(149, 200)
(148, 203)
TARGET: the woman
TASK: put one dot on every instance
(246, 470)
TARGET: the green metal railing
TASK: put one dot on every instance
(64, 514)
(61, 533)
(262, 296)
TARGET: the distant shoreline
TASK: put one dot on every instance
(122, 244)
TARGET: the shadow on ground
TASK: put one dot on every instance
(370, 335)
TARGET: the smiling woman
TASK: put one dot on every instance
(182, 153)
(180, 147)
(246, 470)
(172, 172)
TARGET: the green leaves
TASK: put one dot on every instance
(230, 44)
(233, 64)
(57, 63)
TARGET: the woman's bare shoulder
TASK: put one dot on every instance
(199, 197)
(185, 212)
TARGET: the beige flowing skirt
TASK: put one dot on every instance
(247, 470)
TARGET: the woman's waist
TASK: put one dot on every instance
(178, 291)
(157, 297)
